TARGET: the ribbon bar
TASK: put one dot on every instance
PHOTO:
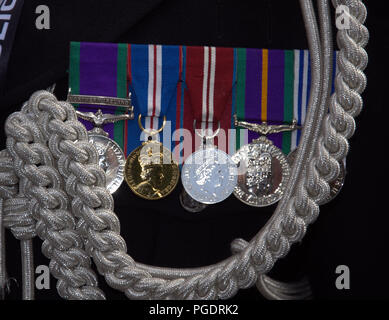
(184, 83)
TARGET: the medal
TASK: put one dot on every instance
(335, 186)
(150, 171)
(263, 169)
(98, 83)
(209, 175)
(190, 204)
(111, 157)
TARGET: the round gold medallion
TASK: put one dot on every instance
(150, 171)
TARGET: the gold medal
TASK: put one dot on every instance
(150, 171)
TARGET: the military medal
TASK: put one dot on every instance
(209, 174)
(263, 168)
(190, 204)
(111, 156)
(98, 83)
(335, 186)
(186, 201)
(150, 170)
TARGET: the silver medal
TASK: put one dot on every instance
(263, 169)
(262, 173)
(111, 160)
(111, 156)
(209, 175)
(190, 204)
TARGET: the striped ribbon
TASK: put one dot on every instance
(153, 75)
(208, 84)
(100, 69)
(272, 86)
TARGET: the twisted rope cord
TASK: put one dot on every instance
(276, 290)
(21, 224)
(270, 288)
(338, 126)
(92, 204)
(345, 104)
(8, 189)
(41, 198)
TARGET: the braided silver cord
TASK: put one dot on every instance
(57, 166)
(21, 224)
(4, 281)
(338, 125)
(276, 290)
(268, 287)
(345, 104)
(17, 217)
(41, 197)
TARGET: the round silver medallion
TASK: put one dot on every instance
(190, 204)
(111, 160)
(335, 186)
(262, 173)
(209, 175)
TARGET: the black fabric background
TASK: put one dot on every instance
(351, 230)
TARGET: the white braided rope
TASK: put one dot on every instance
(58, 173)
(41, 197)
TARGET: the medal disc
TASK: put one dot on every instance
(209, 175)
(150, 171)
(111, 160)
(190, 204)
(335, 186)
(262, 173)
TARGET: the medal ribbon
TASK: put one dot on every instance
(100, 69)
(273, 86)
(185, 83)
(153, 74)
(209, 81)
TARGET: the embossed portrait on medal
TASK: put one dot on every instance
(111, 160)
(152, 178)
(209, 175)
(150, 172)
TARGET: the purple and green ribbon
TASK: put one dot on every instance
(100, 69)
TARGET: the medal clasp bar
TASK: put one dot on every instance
(124, 103)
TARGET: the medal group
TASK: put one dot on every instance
(256, 173)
